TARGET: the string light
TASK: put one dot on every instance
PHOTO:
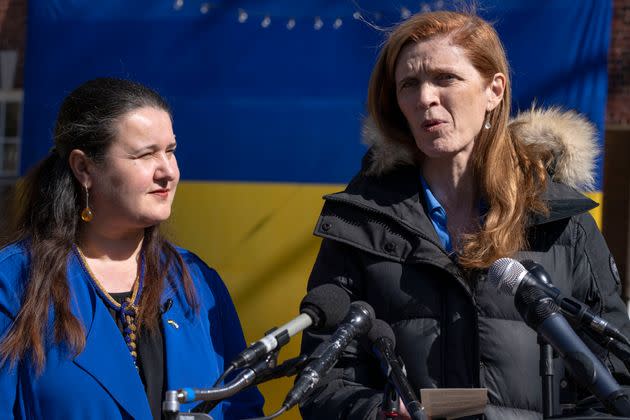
(178, 4)
(318, 21)
(317, 25)
(242, 16)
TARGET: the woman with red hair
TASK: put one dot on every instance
(449, 186)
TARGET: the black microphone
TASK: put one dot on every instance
(509, 275)
(323, 307)
(214, 395)
(614, 346)
(356, 323)
(542, 314)
(383, 344)
(262, 371)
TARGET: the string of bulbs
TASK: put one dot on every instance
(317, 22)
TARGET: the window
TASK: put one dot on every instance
(10, 134)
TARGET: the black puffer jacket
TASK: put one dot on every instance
(453, 330)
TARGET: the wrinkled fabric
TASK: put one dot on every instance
(453, 330)
(101, 382)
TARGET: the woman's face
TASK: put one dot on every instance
(443, 97)
(135, 185)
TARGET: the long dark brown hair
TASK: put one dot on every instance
(47, 205)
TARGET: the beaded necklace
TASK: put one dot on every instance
(128, 310)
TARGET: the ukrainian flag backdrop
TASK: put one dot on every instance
(268, 98)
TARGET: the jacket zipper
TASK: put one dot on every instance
(476, 368)
(388, 216)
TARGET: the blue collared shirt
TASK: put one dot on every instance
(437, 214)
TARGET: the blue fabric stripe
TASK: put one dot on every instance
(278, 105)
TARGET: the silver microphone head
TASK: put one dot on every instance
(506, 274)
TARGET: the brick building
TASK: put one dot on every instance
(13, 14)
(618, 112)
(616, 210)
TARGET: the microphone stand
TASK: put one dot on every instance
(266, 370)
(288, 368)
(170, 409)
(550, 405)
(269, 362)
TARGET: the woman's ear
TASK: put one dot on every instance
(495, 91)
(81, 167)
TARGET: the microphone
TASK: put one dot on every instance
(383, 344)
(356, 323)
(542, 314)
(508, 275)
(614, 346)
(213, 396)
(323, 307)
(261, 371)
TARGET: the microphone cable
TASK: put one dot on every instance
(272, 416)
(207, 406)
(227, 371)
(616, 347)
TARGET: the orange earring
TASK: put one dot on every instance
(86, 214)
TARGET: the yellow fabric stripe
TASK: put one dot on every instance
(597, 211)
(259, 238)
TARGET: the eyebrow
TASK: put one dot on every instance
(413, 74)
(433, 69)
(154, 147)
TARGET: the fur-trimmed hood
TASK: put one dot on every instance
(569, 137)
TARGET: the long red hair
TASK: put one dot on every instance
(509, 176)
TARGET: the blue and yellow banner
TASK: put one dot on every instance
(268, 99)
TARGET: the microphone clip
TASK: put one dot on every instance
(391, 402)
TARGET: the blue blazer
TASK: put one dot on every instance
(102, 382)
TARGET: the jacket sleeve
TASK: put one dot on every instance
(247, 403)
(13, 274)
(353, 388)
(8, 375)
(597, 283)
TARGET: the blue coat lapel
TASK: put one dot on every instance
(107, 359)
(105, 356)
(190, 356)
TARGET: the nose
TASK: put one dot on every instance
(166, 169)
(427, 95)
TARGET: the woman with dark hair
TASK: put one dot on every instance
(99, 313)
(449, 186)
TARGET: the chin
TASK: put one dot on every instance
(435, 151)
(154, 220)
